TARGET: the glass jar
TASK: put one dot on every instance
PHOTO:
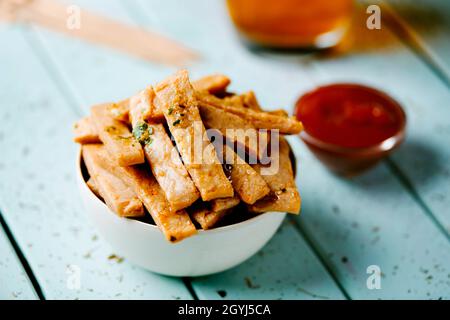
(305, 24)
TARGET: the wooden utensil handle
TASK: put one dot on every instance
(97, 29)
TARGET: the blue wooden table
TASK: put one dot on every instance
(396, 217)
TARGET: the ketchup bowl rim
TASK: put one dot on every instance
(385, 145)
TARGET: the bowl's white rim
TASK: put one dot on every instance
(233, 226)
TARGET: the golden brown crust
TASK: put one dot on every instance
(207, 215)
(284, 195)
(247, 183)
(214, 84)
(116, 137)
(224, 203)
(260, 120)
(250, 101)
(118, 196)
(163, 159)
(84, 131)
(172, 187)
(119, 110)
(236, 129)
(206, 218)
(176, 225)
(93, 186)
(176, 98)
(144, 103)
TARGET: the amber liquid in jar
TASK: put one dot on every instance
(292, 23)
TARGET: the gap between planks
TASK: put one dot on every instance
(415, 195)
(63, 85)
(411, 39)
(397, 174)
(405, 34)
(132, 10)
(318, 254)
(23, 261)
(188, 283)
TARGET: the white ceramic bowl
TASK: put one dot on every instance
(207, 252)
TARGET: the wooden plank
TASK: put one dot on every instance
(393, 231)
(427, 25)
(371, 220)
(38, 193)
(424, 247)
(410, 240)
(139, 76)
(128, 76)
(283, 269)
(424, 159)
(14, 282)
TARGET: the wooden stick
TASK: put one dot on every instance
(98, 29)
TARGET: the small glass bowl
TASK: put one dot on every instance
(351, 161)
(348, 162)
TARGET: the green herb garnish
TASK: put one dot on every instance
(176, 122)
(139, 130)
(142, 132)
(170, 111)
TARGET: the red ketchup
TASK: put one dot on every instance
(350, 127)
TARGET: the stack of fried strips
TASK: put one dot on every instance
(139, 154)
